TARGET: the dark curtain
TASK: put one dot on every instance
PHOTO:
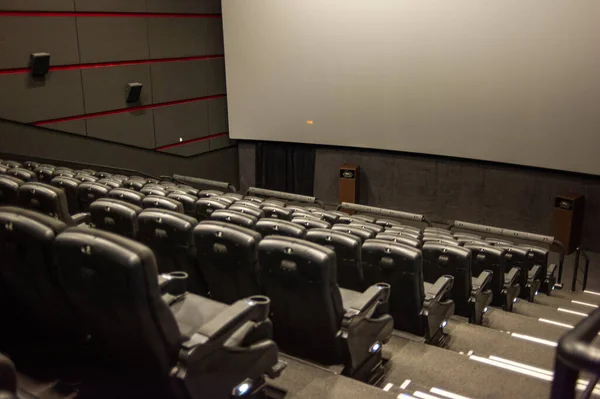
(285, 167)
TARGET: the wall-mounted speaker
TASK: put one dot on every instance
(39, 64)
(349, 184)
(134, 90)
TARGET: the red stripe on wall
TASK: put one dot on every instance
(112, 64)
(212, 136)
(103, 14)
(125, 110)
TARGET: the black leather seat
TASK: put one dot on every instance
(22, 174)
(267, 227)
(170, 235)
(529, 276)
(248, 210)
(226, 200)
(49, 200)
(8, 379)
(399, 239)
(300, 213)
(127, 195)
(387, 223)
(358, 232)
(102, 175)
(150, 190)
(310, 223)
(209, 193)
(365, 218)
(471, 295)
(369, 226)
(41, 325)
(234, 217)
(63, 172)
(405, 233)
(234, 196)
(312, 317)
(110, 183)
(188, 189)
(255, 199)
(347, 248)
(9, 190)
(418, 307)
(438, 231)
(155, 201)
(405, 229)
(273, 201)
(116, 216)
(69, 186)
(459, 236)
(242, 202)
(329, 217)
(88, 192)
(462, 241)
(31, 165)
(228, 259)
(277, 212)
(499, 241)
(504, 285)
(206, 206)
(12, 164)
(442, 239)
(197, 349)
(188, 201)
(86, 178)
(44, 174)
(547, 271)
(133, 184)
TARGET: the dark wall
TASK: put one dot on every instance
(495, 194)
(173, 47)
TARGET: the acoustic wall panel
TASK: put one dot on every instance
(26, 99)
(105, 88)
(177, 37)
(217, 116)
(215, 76)
(179, 80)
(180, 122)
(104, 39)
(185, 6)
(36, 5)
(20, 36)
(77, 126)
(133, 128)
(111, 5)
(220, 142)
(190, 149)
(214, 36)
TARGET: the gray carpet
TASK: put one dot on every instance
(505, 321)
(525, 308)
(555, 301)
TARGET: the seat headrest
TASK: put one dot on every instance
(28, 218)
(234, 196)
(188, 189)
(513, 250)
(11, 164)
(310, 223)
(109, 182)
(365, 218)
(329, 217)
(188, 201)
(482, 252)
(268, 226)
(226, 239)
(369, 226)
(248, 210)
(86, 178)
(206, 206)
(258, 200)
(116, 216)
(277, 212)
(64, 181)
(297, 259)
(392, 255)
(166, 227)
(127, 195)
(133, 184)
(155, 201)
(446, 254)
(23, 174)
(363, 234)
(31, 165)
(344, 244)
(9, 190)
(209, 193)
(44, 198)
(87, 192)
(153, 191)
(387, 223)
(399, 239)
(240, 219)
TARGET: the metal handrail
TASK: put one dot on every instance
(574, 354)
(578, 253)
(205, 182)
(263, 192)
(384, 212)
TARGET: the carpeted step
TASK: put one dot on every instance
(561, 315)
(574, 304)
(534, 326)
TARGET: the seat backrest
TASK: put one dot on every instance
(102, 175)
(436, 230)
(298, 213)
(347, 251)
(234, 217)
(110, 183)
(458, 236)
(206, 206)
(116, 216)
(127, 195)
(44, 174)
(9, 190)
(243, 202)
(133, 184)
(363, 234)
(234, 196)
(90, 192)
(226, 200)
(113, 283)
(464, 241)
(209, 193)
(252, 198)
(22, 174)
(29, 277)
(401, 267)
(387, 223)
(487, 257)
(170, 235)
(87, 171)
(440, 259)
(399, 239)
(46, 199)
(155, 201)
(498, 241)
(86, 178)
(188, 189)
(310, 223)
(516, 256)
(406, 233)
(369, 226)
(329, 217)
(306, 305)
(273, 201)
(267, 227)
(150, 190)
(538, 256)
(447, 240)
(227, 257)
(188, 202)
(277, 212)
(69, 186)
(63, 172)
(365, 218)
(248, 210)
(12, 164)
(404, 229)
(31, 165)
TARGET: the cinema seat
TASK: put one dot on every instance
(133, 184)
(234, 196)
(405, 229)
(45, 174)
(399, 239)
(156, 201)
(248, 210)
(386, 223)
(31, 165)
(405, 233)
(86, 178)
(127, 195)
(22, 174)
(115, 216)
(347, 249)
(548, 271)
(153, 190)
(375, 228)
(188, 201)
(442, 239)
(9, 190)
(69, 186)
(12, 164)
(471, 295)
(206, 206)
(258, 200)
(418, 307)
(227, 257)
(110, 183)
(88, 192)
(267, 227)
(243, 202)
(358, 232)
(144, 347)
(209, 193)
(234, 217)
(277, 212)
(316, 320)
(310, 223)
(530, 272)
(49, 200)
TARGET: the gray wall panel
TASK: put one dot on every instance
(179, 80)
(105, 88)
(21, 36)
(185, 6)
(27, 100)
(104, 39)
(214, 32)
(36, 5)
(133, 128)
(111, 5)
(215, 76)
(220, 142)
(77, 127)
(217, 115)
(247, 165)
(180, 122)
(177, 37)
(189, 149)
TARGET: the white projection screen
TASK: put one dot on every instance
(512, 81)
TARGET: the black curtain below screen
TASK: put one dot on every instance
(285, 167)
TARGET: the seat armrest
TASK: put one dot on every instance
(436, 292)
(479, 283)
(368, 300)
(534, 273)
(81, 218)
(552, 268)
(511, 276)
